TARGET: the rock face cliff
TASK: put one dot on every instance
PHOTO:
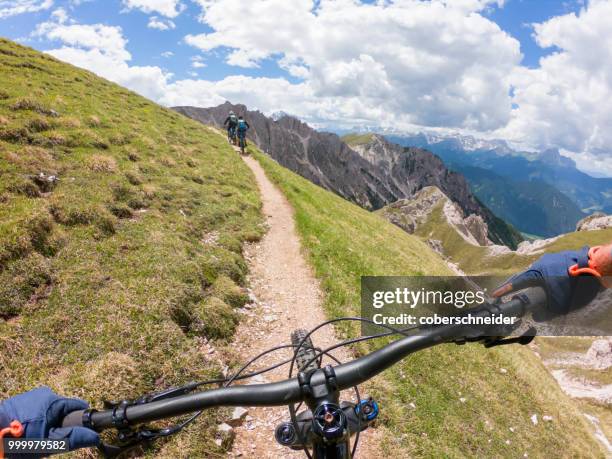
(411, 213)
(372, 175)
(596, 221)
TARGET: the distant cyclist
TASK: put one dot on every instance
(232, 122)
(242, 127)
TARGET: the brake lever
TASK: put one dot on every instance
(523, 340)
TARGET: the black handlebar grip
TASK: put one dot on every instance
(74, 419)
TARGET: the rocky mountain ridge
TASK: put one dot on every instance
(372, 176)
(410, 214)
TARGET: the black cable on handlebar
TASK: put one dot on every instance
(282, 392)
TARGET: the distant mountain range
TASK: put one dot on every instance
(373, 177)
(539, 193)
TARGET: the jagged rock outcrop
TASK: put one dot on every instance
(410, 214)
(595, 221)
(373, 175)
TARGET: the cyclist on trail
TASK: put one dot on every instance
(571, 280)
(243, 127)
(232, 122)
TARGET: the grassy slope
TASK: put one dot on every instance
(110, 280)
(474, 260)
(357, 139)
(344, 242)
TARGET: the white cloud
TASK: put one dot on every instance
(160, 24)
(564, 102)
(167, 54)
(168, 8)
(102, 49)
(197, 62)
(107, 40)
(407, 62)
(10, 8)
(60, 15)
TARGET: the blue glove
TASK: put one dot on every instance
(565, 292)
(41, 412)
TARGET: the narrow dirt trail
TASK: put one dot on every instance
(287, 296)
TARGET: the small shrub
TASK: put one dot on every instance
(16, 135)
(119, 139)
(4, 95)
(167, 161)
(71, 123)
(20, 280)
(73, 215)
(214, 319)
(227, 290)
(133, 178)
(133, 156)
(138, 203)
(50, 140)
(149, 191)
(191, 162)
(102, 163)
(38, 125)
(29, 104)
(106, 223)
(122, 192)
(93, 121)
(25, 187)
(39, 229)
(98, 142)
(121, 211)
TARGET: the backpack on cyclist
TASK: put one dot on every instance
(233, 119)
(242, 126)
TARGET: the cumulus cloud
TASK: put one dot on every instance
(102, 49)
(160, 24)
(168, 8)
(409, 61)
(197, 62)
(10, 8)
(565, 101)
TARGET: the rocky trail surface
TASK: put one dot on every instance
(285, 296)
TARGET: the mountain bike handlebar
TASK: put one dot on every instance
(289, 391)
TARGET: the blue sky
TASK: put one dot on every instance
(511, 69)
(146, 44)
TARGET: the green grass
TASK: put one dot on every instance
(343, 242)
(112, 276)
(357, 139)
(475, 260)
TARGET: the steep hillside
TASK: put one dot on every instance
(535, 207)
(412, 169)
(449, 401)
(326, 160)
(588, 193)
(322, 158)
(121, 225)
